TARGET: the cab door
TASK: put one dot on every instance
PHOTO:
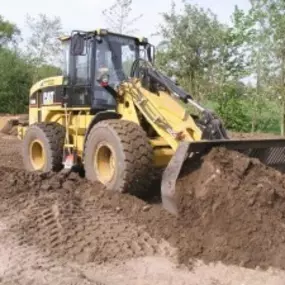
(79, 88)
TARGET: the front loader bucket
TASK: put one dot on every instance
(270, 152)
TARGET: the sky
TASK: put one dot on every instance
(87, 14)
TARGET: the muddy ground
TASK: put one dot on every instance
(61, 229)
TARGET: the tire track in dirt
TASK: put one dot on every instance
(55, 216)
(22, 263)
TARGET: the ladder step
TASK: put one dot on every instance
(68, 145)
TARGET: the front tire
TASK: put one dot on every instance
(43, 147)
(119, 155)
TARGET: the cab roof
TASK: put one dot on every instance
(103, 32)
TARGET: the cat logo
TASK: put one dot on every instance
(48, 98)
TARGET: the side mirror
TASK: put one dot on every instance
(150, 53)
(77, 44)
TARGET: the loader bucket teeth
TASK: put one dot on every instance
(271, 152)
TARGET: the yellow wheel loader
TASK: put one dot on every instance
(116, 116)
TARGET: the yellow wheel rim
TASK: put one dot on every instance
(37, 155)
(104, 163)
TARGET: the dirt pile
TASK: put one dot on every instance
(234, 208)
(231, 210)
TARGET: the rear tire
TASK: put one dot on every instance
(43, 147)
(119, 155)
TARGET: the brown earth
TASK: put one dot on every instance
(237, 210)
(4, 118)
(58, 216)
(9, 123)
(233, 212)
(62, 229)
(10, 152)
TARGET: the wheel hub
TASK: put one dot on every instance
(105, 163)
(37, 155)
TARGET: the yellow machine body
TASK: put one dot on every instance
(158, 110)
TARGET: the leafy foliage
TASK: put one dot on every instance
(8, 32)
(20, 70)
(191, 47)
(231, 108)
(47, 70)
(43, 46)
(211, 60)
(15, 82)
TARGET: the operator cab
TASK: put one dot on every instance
(95, 63)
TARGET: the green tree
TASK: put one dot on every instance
(232, 107)
(256, 34)
(8, 32)
(263, 28)
(47, 70)
(15, 75)
(209, 59)
(275, 10)
(15, 82)
(43, 46)
(191, 47)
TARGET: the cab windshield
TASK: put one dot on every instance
(115, 55)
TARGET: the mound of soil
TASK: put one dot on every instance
(234, 208)
(231, 209)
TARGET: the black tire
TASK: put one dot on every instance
(132, 152)
(51, 138)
